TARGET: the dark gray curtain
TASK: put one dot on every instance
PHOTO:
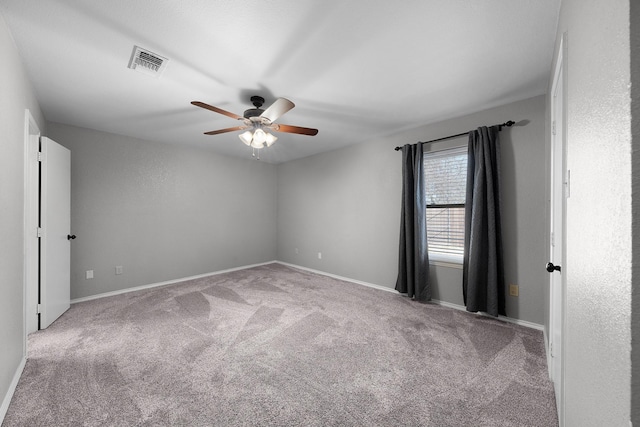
(483, 269)
(413, 265)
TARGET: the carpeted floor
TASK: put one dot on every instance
(273, 345)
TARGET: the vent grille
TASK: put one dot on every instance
(147, 62)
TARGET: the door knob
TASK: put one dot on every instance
(551, 268)
(71, 236)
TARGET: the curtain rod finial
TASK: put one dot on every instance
(507, 124)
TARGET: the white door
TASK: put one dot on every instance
(557, 237)
(55, 246)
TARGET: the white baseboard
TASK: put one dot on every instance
(168, 282)
(524, 323)
(442, 303)
(12, 388)
(335, 276)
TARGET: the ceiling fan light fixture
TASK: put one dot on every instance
(259, 137)
(270, 139)
(246, 137)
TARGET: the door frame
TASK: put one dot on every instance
(31, 257)
(557, 309)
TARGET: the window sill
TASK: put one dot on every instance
(445, 260)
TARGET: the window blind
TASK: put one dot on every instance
(445, 189)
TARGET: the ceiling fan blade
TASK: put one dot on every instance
(216, 109)
(277, 109)
(216, 132)
(295, 129)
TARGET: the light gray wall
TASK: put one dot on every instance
(599, 222)
(635, 121)
(346, 204)
(162, 212)
(16, 95)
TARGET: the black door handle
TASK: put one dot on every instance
(551, 268)
(71, 236)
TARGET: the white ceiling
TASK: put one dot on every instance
(356, 69)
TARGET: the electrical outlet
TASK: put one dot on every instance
(118, 269)
(89, 274)
(319, 255)
(513, 290)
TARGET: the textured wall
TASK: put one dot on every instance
(16, 96)
(598, 252)
(346, 204)
(162, 212)
(635, 119)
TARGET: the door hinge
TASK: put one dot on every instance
(567, 185)
(38, 308)
(39, 232)
(39, 156)
(553, 127)
(553, 240)
(551, 349)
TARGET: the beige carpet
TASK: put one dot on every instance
(278, 346)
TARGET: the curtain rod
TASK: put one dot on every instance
(500, 126)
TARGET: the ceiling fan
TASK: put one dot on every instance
(257, 122)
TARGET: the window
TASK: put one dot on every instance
(445, 174)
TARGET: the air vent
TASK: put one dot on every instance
(147, 62)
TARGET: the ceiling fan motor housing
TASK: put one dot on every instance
(252, 112)
(257, 102)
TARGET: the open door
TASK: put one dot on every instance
(55, 225)
(559, 193)
(32, 224)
